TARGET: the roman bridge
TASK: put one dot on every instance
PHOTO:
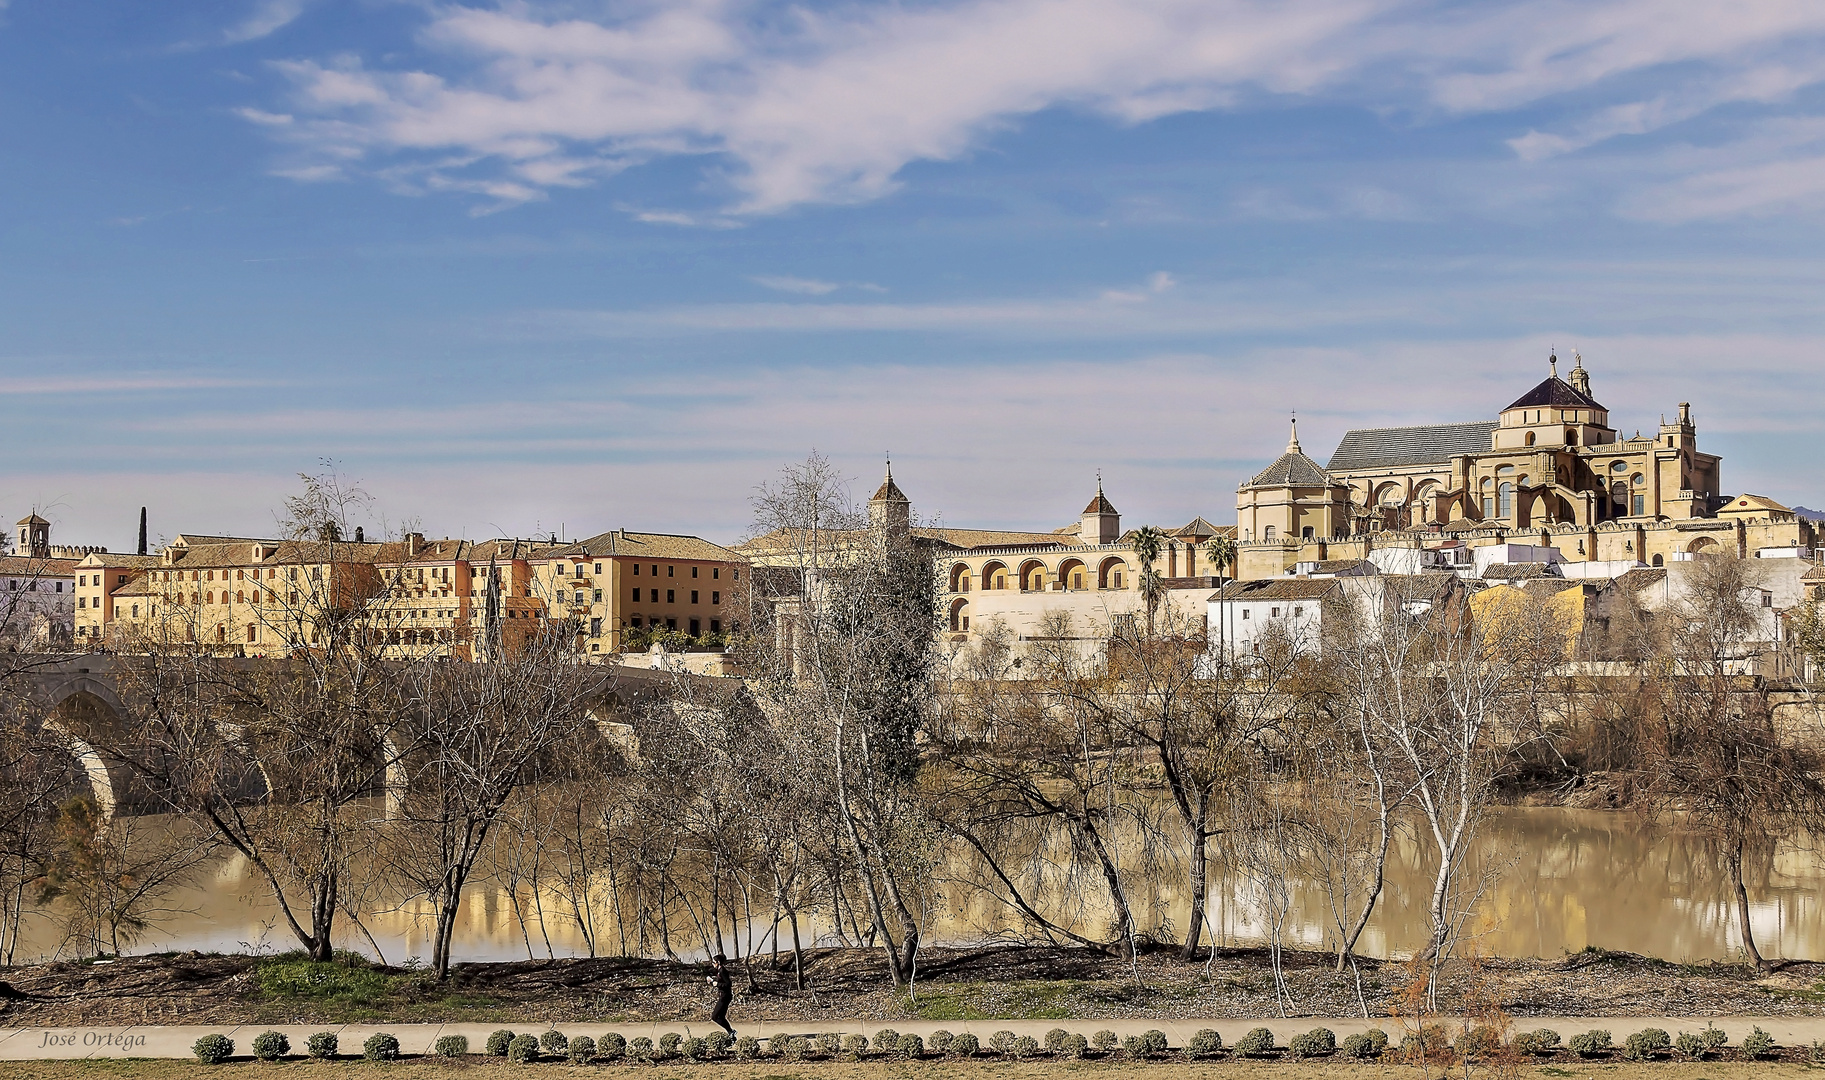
(70, 699)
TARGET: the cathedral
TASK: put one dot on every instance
(1549, 470)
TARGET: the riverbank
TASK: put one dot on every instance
(1033, 983)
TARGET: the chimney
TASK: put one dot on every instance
(142, 530)
(359, 539)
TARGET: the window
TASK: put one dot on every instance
(1298, 611)
(636, 569)
(596, 595)
(252, 631)
(1505, 500)
(671, 624)
(1244, 614)
(655, 569)
(715, 574)
(595, 628)
(1275, 613)
(1640, 505)
(1267, 532)
(1305, 533)
(82, 601)
(598, 568)
(579, 596)
(693, 596)
(655, 593)
(693, 571)
(735, 575)
(635, 622)
(715, 626)
(715, 598)
(671, 596)
(696, 628)
(669, 570)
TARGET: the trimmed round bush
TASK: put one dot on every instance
(1257, 1042)
(1105, 1042)
(694, 1049)
(523, 1050)
(670, 1042)
(797, 1048)
(747, 1048)
(1714, 1037)
(1076, 1047)
(1024, 1047)
(611, 1047)
(855, 1045)
(885, 1040)
(1001, 1042)
(718, 1043)
(213, 1049)
(1539, 1041)
(451, 1046)
(271, 1045)
(380, 1047)
(940, 1042)
(1365, 1045)
(1480, 1041)
(1646, 1045)
(1055, 1040)
(496, 1046)
(640, 1048)
(1757, 1044)
(554, 1043)
(1690, 1045)
(1135, 1047)
(1155, 1041)
(1205, 1043)
(322, 1045)
(1318, 1042)
(910, 1046)
(582, 1050)
(965, 1045)
(1590, 1044)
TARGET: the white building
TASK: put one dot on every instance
(37, 590)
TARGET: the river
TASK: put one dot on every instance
(1563, 880)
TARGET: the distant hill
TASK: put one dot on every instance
(1810, 515)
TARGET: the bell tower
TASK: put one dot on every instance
(890, 511)
(34, 537)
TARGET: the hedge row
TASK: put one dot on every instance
(1429, 1042)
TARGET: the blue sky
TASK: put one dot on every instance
(527, 266)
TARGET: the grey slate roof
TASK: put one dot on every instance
(1292, 469)
(1371, 448)
(1554, 393)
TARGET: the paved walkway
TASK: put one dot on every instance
(23, 1044)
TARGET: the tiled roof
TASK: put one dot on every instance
(1519, 571)
(1338, 566)
(195, 539)
(31, 519)
(1278, 589)
(1373, 448)
(1291, 469)
(889, 491)
(1100, 504)
(622, 544)
(117, 561)
(1197, 526)
(1554, 393)
(1753, 502)
(23, 566)
(1640, 578)
(1418, 586)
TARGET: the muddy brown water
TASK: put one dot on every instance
(1559, 880)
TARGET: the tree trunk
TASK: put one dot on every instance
(1347, 946)
(1735, 860)
(1200, 863)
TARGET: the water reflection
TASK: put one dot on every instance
(1560, 880)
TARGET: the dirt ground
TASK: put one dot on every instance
(953, 984)
(145, 1069)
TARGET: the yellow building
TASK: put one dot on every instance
(621, 581)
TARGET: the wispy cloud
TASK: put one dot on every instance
(122, 384)
(267, 17)
(803, 105)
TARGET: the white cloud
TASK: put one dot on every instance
(801, 286)
(800, 105)
(267, 17)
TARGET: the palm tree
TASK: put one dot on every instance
(1149, 542)
(1221, 551)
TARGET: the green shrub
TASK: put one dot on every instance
(940, 1042)
(855, 1045)
(747, 1048)
(1153, 1041)
(1135, 1047)
(1539, 1041)
(670, 1042)
(1024, 1047)
(965, 1045)
(213, 1049)
(611, 1047)
(1647, 1044)
(1690, 1045)
(1076, 1047)
(1204, 1044)
(380, 1047)
(1318, 1042)
(829, 1044)
(1365, 1045)
(554, 1043)
(717, 1043)
(1589, 1044)
(524, 1049)
(885, 1040)
(1055, 1040)
(450, 1046)
(582, 1050)
(1714, 1037)
(271, 1045)
(322, 1045)
(910, 1046)
(1001, 1042)
(1479, 1042)
(1257, 1042)
(694, 1049)
(797, 1048)
(1105, 1042)
(1815, 1054)
(640, 1048)
(1757, 1044)
(496, 1046)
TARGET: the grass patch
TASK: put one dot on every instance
(351, 989)
(998, 1001)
